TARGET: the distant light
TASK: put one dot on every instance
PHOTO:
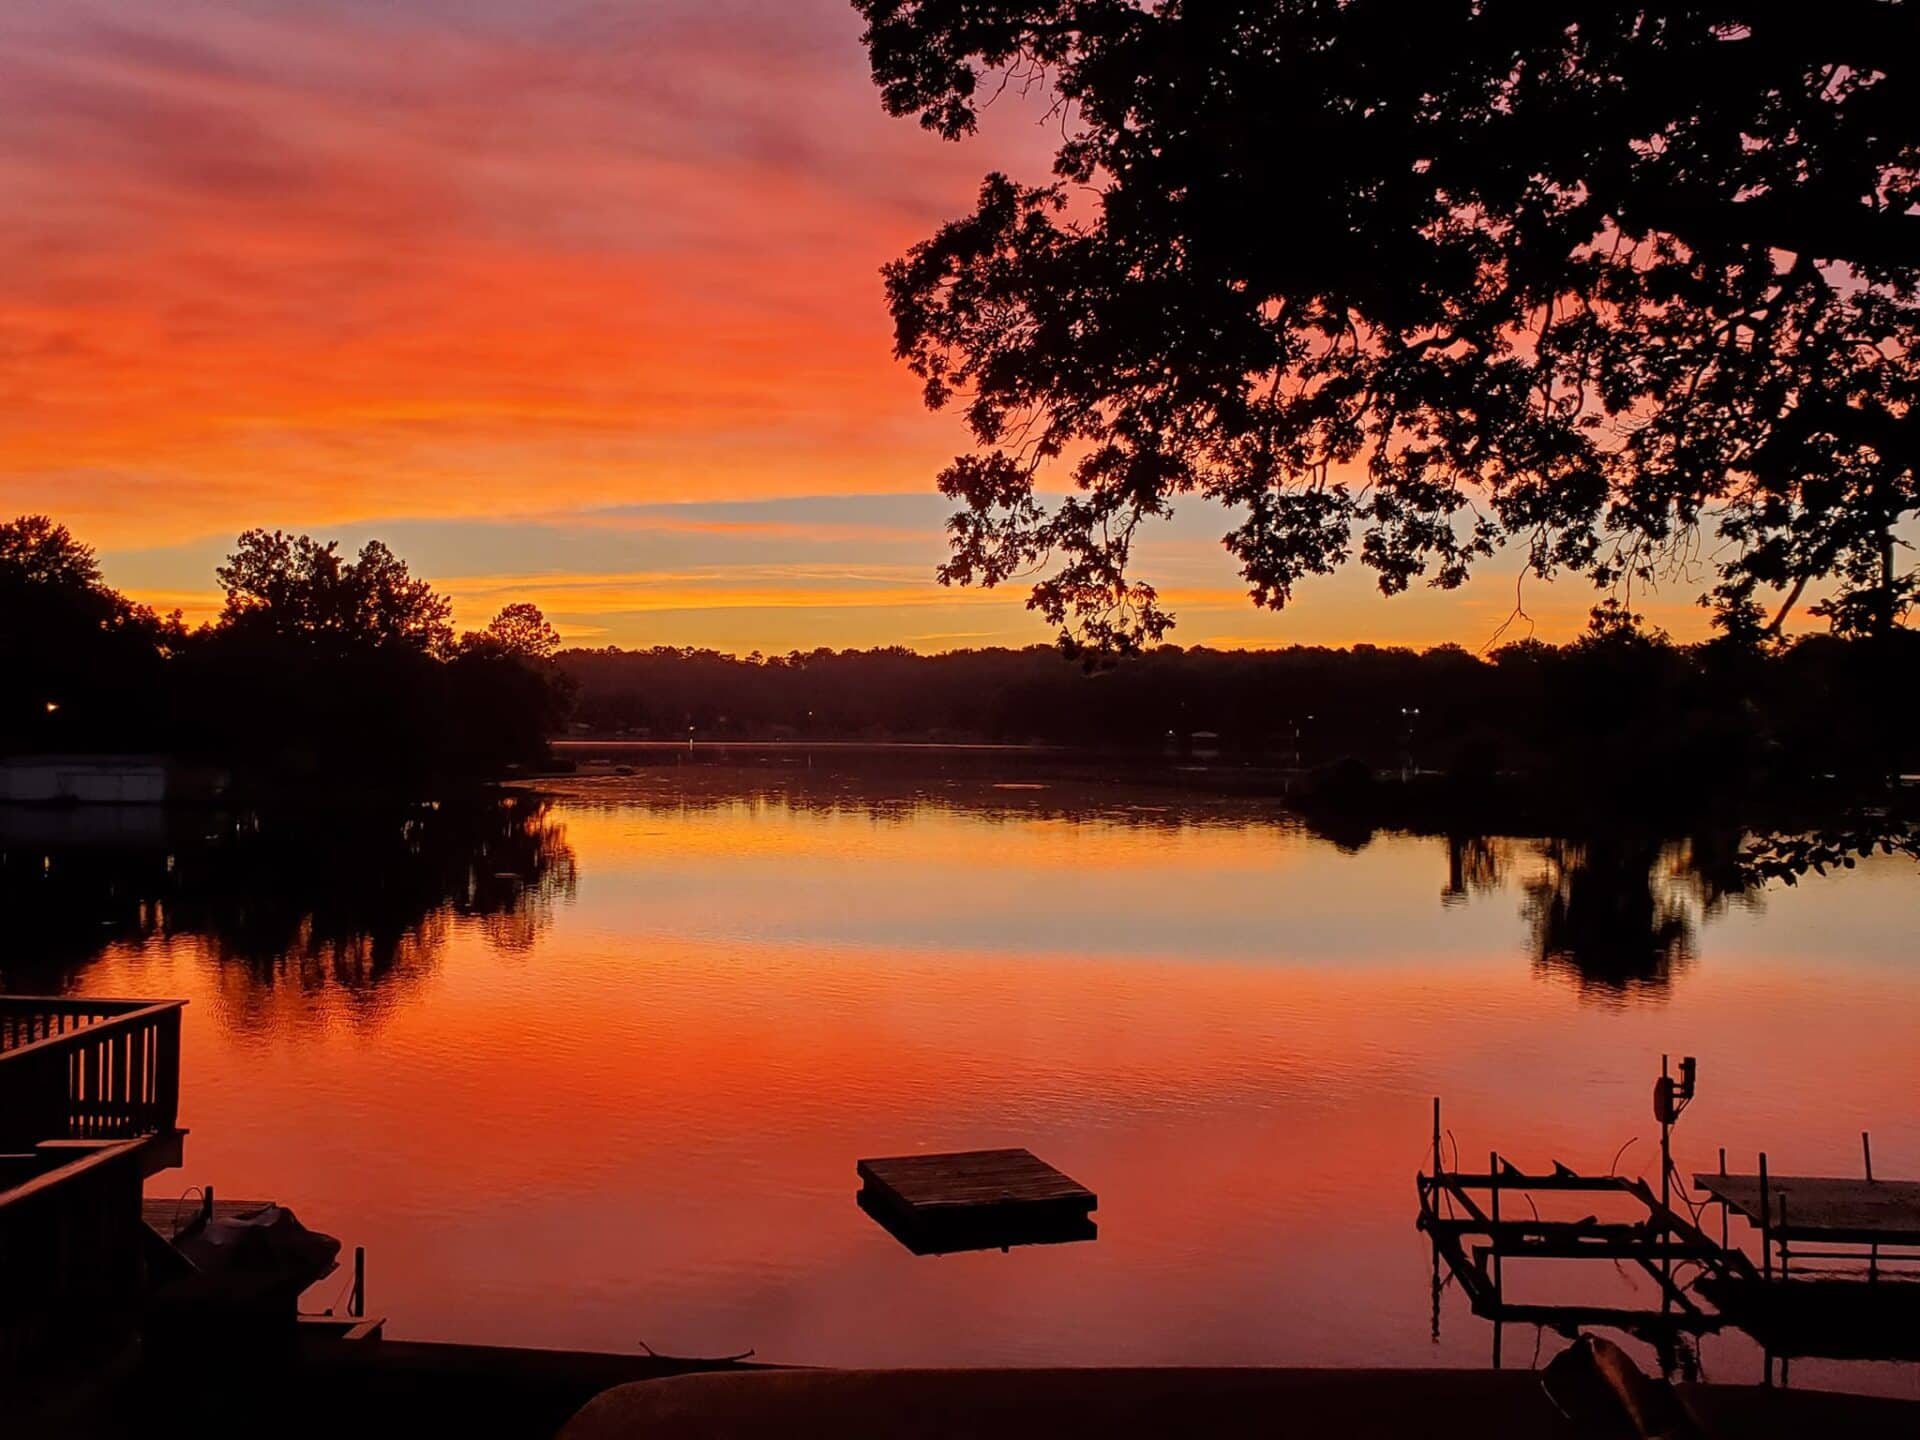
(52, 705)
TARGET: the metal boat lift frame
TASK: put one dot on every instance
(1476, 1239)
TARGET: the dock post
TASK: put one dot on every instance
(1766, 1223)
(1436, 1139)
(1493, 1180)
(1723, 1203)
(1866, 1155)
(359, 1310)
(206, 1204)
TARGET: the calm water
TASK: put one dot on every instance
(596, 1070)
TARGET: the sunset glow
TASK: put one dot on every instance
(576, 304)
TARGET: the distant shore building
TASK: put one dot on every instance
(85, 779)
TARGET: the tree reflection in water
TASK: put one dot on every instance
(1618, 915)
(361, 904)
(355, 899)
(1615, 914)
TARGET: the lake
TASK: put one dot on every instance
(591, 1067)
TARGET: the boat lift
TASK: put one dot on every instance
(1473, 1219)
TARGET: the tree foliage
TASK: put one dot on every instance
(36, 551)
(292, 587)
(519, 630)
(320, 669)
(1625, 287)
(68, 641)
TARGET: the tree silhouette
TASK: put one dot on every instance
(71, 647)
(519, 629)
(1420, 282)
(295, 588)
(35, 550)
(504, 693)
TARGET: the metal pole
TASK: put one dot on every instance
(1666, 1202)
(1436, 1288)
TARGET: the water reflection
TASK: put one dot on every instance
(1619, 915)
(1476, 864)
(1225, 1027)
(353, 899)
(1616, 915)
(366, 900)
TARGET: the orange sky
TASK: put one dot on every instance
(572, 303)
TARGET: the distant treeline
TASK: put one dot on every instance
(322, 669)
(335, 669)
(1619, 701)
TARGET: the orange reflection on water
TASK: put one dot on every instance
(644, 1123)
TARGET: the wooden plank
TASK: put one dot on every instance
(120, 1047)
(89, 1158)
(1855, 1211)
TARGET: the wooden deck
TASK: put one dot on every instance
(1824, 1208)
(975, 1200)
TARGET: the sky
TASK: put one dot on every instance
(570, 303)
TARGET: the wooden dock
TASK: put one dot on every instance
(975, 1200)
(1822, 1208)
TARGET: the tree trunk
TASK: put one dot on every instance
(1889, 604)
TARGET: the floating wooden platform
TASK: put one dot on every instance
(975, 1200)
(1816, 1207)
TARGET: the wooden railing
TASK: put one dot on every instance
(87, 1069)
(70, 1261)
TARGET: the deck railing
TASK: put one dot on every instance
(87, 1069)
(70, 1260)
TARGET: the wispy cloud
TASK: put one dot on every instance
(568, 301)
(315, 257)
